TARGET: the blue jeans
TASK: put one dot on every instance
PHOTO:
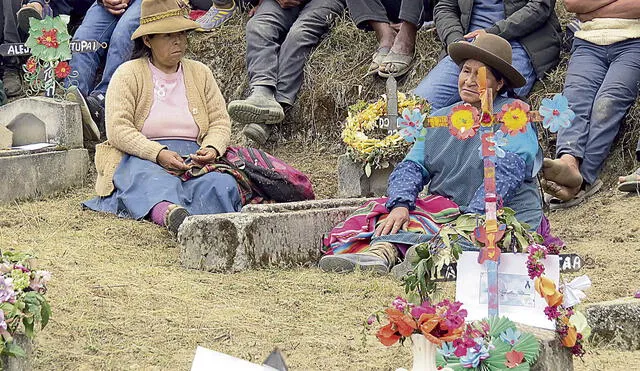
(440, 87)
(104, 27)
(601, 85)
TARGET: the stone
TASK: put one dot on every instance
(6, 138)
(281, 235)
(615, 323)
(16, 363)
(553, 355)
(353, 182)
(28, 175)
(40, 119)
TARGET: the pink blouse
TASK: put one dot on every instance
(169, 117)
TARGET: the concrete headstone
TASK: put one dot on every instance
(6, 138)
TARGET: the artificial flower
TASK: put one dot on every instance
(474, 356)
(514, 117)
(495, 143)
(454, 316)
(556, 113)
(31, 65)
(410, 124)
(403, 323)
(3, 324)
(552, 313)
(7, 292)
(39, 280)
(388, 335)
(637, 294)
(62, 70)
(547, 289)
(400, 303)
(462, 344)
(447, 349)
(49, 38)
(510, 336)
(569, 340)
(425, 307)
(514, 358)
(464, 121)
(536, 253)
(20, 279)
(574, 291)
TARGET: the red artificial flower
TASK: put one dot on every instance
(387, 335)
(62, 70)
(514, 358)
(514, 117)
(49, 38)
(464, 120)
(31, 65)
(404, 323)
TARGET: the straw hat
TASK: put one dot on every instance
(492, 50)
(164, 16)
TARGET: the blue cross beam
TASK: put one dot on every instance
(77, 46)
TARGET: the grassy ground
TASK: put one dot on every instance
(122, 301)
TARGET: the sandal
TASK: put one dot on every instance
(589, 190)
(377, 59)
(396, 64)
(630, 183)
(28, 11)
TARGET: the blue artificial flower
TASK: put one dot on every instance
(498, 140)
(556, 113)
(446, 350)
(474, 356)
(510, 336)
(410, 124)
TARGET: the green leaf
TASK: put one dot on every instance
(28, 327)
(506, 241)
(13, 349)
(580, 322)
(498, 325)
(45, 312)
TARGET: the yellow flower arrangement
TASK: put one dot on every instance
(514, 117)
(365, 131)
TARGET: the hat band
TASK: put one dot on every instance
(159, 16)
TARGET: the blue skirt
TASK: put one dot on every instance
(141, 184)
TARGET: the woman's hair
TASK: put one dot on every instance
(140, 49)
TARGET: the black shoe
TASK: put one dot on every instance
(175, 217)
(12, 82)
(96, 109)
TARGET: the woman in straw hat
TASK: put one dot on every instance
(161, 109)
(453, 170)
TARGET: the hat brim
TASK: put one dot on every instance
(461, 51)
(168, 25)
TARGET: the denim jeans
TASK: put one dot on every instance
(440, 87)
(601, 84)
(280, 40)
(104, 27)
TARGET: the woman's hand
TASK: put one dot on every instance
(205, 156)
(474, 34)
(172, 162)
(398, 219)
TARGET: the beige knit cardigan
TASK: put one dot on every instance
(128, 103)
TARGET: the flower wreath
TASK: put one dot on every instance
(365, 131)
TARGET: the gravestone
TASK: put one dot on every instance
(615, 323)
(354, 182)
(282, 235)
(53, 159)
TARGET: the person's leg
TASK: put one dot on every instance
(522, 63)
(264, 33)
(313, 22)
(11, 76)
(614, 98)
(98, 25)
(440, 86)
(586, 71)
(120, 46)
(219, 12)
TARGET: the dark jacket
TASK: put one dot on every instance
(531, 22)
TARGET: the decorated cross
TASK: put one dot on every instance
(50, 47)
(464, 122)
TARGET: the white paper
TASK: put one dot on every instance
(209, 360)
(518, 299)
(34, 146)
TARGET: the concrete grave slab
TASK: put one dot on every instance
(282, 235)
(615, 322)
(553, 355)
(40, 119)
(353, 182)
(27, 175)
(6, 138)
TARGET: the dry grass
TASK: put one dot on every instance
(122, 301)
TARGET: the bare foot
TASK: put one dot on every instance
(562, 192)
(629, 178)
(563, 171)
(384, 33)
(405, 40)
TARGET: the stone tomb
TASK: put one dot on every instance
(354, 182)
(26, 173)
